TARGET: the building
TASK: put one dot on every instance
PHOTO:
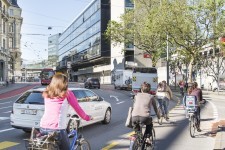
(83, 45)
(53, 43)
(10, 53)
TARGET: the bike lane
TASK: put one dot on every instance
(15, 89)
(174, 134)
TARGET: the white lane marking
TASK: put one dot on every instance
(6, 107)
(120, 102)
(215, 112)
(5, 103)
(4, 118)
(6, 130)
(7, 112)
(114, 97)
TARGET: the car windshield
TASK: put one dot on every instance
(94, 80)
(31, 97)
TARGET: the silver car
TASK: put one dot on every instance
(29, 108)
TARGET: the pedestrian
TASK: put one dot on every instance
(164, 95)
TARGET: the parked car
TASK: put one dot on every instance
(92, 83)
(29, 108)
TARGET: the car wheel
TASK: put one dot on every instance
(73, 124)
(99, 87)
(107, 118)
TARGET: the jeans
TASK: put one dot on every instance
(163, 105)
(64, 143)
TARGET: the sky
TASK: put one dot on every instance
(38, 16)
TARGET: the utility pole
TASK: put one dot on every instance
(167, 60)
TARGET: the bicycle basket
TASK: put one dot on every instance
(37, 144)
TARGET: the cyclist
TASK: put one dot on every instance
(57, 99)
(198, 93)
(142, 109)
(181, 85)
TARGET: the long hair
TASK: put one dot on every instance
(162, 86)
(58, 86)
(145, 87)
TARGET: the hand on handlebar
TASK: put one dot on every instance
(91, 118)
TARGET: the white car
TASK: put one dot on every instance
(29, 108)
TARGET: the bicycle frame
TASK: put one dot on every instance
(140, 139)
(73, 144)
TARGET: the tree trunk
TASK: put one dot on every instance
(190, 70)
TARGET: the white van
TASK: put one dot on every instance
(122, 78)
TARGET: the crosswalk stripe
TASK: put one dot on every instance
(4, 118)
(7, 144)
(6, 130)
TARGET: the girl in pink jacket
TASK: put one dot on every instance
(57, 99)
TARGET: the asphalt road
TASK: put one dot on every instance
(172, 135)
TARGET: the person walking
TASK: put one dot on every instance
(164, 95)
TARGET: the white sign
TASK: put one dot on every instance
(68, 64)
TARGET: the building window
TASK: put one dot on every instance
(11, 27)
(4, 9)
(3, 27)
(11, 12)
(4, 49)
(10, 42)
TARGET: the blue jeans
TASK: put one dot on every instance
(64, 143)
(163, 105)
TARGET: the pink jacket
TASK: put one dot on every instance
(56, 110)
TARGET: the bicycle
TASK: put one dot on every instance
(50, 142)
(194, 122)
(138, 141)
(191, 113)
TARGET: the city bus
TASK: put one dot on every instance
(46, 76)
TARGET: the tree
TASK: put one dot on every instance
(189, 24)
(214, 67)
(142, 32)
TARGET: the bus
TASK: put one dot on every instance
(46, 76)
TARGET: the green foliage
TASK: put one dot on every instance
(189, 24)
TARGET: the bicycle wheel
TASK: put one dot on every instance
(192, 126)
(151, 144)
(161, 116)
(137, 144)
(83, 145)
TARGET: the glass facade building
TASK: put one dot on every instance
(83, 43)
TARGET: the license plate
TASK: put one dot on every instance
(29, 111)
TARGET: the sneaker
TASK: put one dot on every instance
(199, 130)
(148, 141)
(167, 118)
